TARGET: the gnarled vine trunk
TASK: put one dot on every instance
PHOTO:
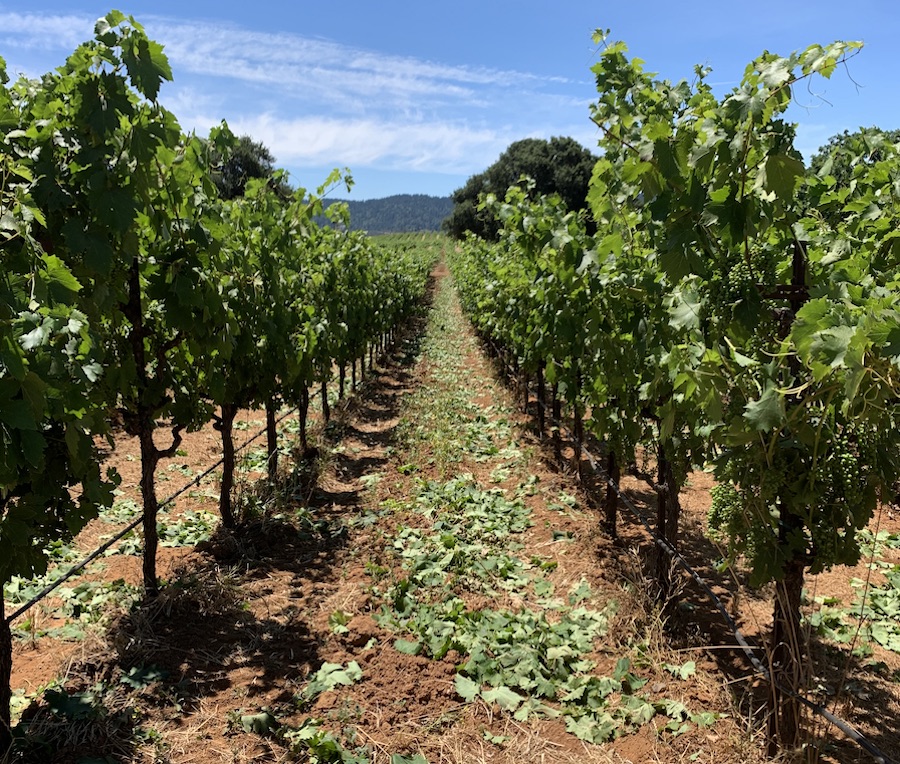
(787, 648)
(225, 425)
(557, 422)
(326, 409)
(271, 439)
(144, 425)
(5, 679)
(668, 515)
(611, 502)
(786, 652)
(541, 400)
(577, 425)
(303, 416)
(526, 384)
(150, 456)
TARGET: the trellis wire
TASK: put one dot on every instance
(758, 666)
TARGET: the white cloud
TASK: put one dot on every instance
(317, 102)
(432, 146)
(303, 67)
(267, 56)
(33, 31)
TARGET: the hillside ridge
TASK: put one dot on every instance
(398, 213)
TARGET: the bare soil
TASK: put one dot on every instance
(246, 618)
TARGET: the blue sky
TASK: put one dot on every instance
(414, 97)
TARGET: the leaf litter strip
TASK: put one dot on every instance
(760, 668)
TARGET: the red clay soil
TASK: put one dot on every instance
(246, 619)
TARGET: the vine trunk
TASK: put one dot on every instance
(226, 428)
(5, 679)
(271, 439)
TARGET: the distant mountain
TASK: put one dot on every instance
(402, 213)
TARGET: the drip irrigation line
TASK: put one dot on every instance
(79, 566)
(49, 589)
(758, 666)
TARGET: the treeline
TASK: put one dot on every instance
(401, 213)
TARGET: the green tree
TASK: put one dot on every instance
(846, 151)
(559, 166)
(465, 215)
(246, 159)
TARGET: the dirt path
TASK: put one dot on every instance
(432, 591)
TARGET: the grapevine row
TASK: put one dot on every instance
(128, 287)
(731, 311)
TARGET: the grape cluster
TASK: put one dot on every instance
(846, 483)
(733, 293)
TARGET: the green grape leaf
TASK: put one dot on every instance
(261, 723)
(503, 696)
(466, 688)
(767, 412)
(779, 174)
(407, 647)
(147, 65)
(18, 414)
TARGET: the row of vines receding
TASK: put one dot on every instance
(130, 290)
(723, 308)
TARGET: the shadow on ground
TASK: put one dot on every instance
(200, 638)
(694, 621)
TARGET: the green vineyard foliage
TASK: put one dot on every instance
(129, 287)
(732, 311)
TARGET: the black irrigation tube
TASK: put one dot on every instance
(758, 666)
(78, 567)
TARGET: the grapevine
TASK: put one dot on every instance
(730, 310)
(128, 285)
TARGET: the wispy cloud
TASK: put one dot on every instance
(260, 55)
(318, 102)
(302, 66)
(39, 32)
(452, 148)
